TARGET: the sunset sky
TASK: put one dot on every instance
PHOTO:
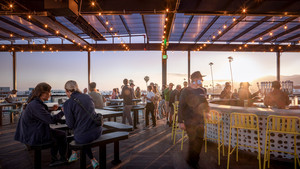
(110, 68)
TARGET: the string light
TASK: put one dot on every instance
(234, 19)
(73, 40)
(50, 48)
(22, 38)
(234, 50)
(271, 34)
(106, 22)
(44, 46)
(79, 44)
(3, 46)
(245, 45)
(111, 28)
(66, 36)
(46, 26)
(224, 26)
(84, 46)
(93, 3)
(285, 27)
(204, 45)
(214, 37)
(12, 48)
(279, 47)
(260, 38)
(244, 10)
(253, 41)
(166, 19)
(99, 14)
(271, 50)
(57, 32)
(11, 5)
(219, 32)
(165, 26)
(22, 50)
(31, 51)
(11, 35)
(167, 9)
(29, 16)
(240, 47)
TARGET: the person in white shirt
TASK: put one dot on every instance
(12, 97)
(150, 107)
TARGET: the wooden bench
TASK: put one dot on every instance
(101, 142)
(38, 153)
(115, 126)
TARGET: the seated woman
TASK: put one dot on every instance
(277, 98)
(226, 93)
(244, 94)
(85, 129)
(33, 126)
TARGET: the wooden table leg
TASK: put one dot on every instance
(116, 153)
(134, 119)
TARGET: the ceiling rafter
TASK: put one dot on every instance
(229, 27)
(104, 25)
(13, 34)
(85, 27)
(251, 28)
(270, 29)
(20, 27)
(146, 31)
(186, 27)
(125, 24)
(290, 38)
(207, 28)
(283, 33)
(41, 25)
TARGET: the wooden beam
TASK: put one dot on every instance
(156, 47)
(270, 29)
(290, 38)
(125, 25)
(229, 27)
(13, 33)
(186, 27)
(19, 27)
(283, 33)
(85, 27)
(144, 23)
(207, 28)
(251, 28)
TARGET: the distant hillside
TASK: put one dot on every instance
(294, 78)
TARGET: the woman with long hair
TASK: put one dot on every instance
(78, 109)
(33, 126)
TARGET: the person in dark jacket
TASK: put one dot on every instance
(127, 96)
(277, 98)
(33, 126)
(192, 106)
(85, 129)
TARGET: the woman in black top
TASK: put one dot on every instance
(33, 126)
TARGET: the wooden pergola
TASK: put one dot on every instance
(166, 25)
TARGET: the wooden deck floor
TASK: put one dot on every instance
(145, 149)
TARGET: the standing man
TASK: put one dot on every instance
(127, 97)
(167, 93)
(192, 105)
(96, 96)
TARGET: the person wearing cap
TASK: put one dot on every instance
(97, 98)
(226, 93)
(244, 93)
(126, 94)
(167, 93)
(192, 106)
(12, 97)
(277, 98)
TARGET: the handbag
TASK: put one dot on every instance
(96, 117)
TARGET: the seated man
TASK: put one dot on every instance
(226, 93)
(244, 94)
(277, 97)
(96, 96)
(12, 97)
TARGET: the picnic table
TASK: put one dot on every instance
(134, 108)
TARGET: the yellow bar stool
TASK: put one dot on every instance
(175, 128)
(215, 118)
(174, 123)
(284, 125)
(243, 121)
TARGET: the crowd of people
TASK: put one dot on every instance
(33, 126)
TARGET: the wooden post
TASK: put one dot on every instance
(164, 70)
(89, 68)
(189, 66)
(278, 66)
(14, 71)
